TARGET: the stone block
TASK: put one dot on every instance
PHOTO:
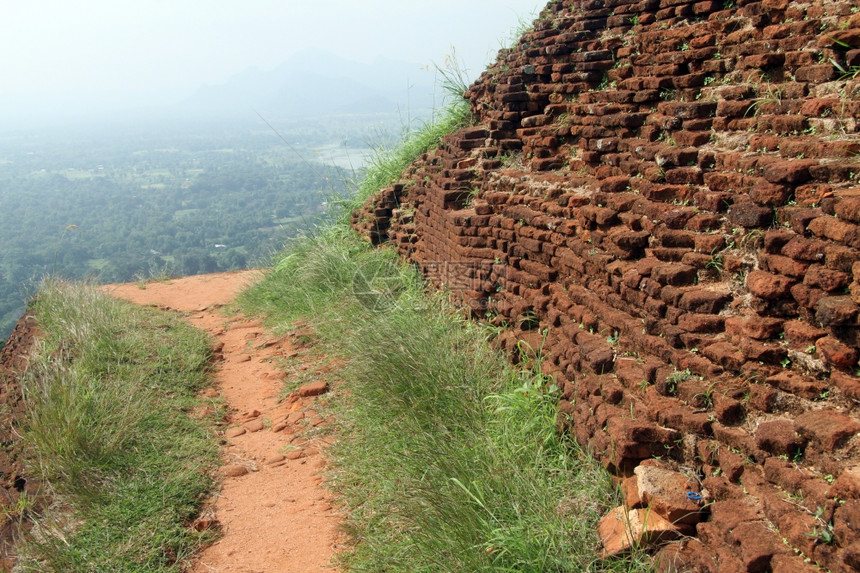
(726, 355)
(777, 437)
(848, 208)
(675, 274)
(800, 335)
(750, 215)
(826, 279)
(803, 249)
(768, 285)
(827, 429)
(758, 545)
(836, 353)
(805, 387)
(836, 310)
(703, 301)
(621, 530)
(757, 327)
(665, 492)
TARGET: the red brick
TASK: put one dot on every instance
(770, 194)
(834, 229)
(837, 353)
(703, 301)
(758, 545)
(804, 387)
(848, 208)
(313, 389)
(827, 428)
(793, 563)
(847, 485)
(758, 327)
(826, 279)
(787, 266)
(778, 437)
(689, 556)
(768, 353)
(664, 491)
(750, 215)
(805, 296)
(776, 239)
(701, 323)
(836, 310)
(674, 274)
(814, 74)
(768, 286)
(800, 335)
(726, 355)
(849, 385)
(762, 397)
(791, 172)
(803, 249)
(840, 258)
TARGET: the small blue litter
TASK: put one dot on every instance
(694, 496)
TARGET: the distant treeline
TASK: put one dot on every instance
(120, 209)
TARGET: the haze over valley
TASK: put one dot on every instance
(146, 143)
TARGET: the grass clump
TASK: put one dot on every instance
(447, 456)
(386, 164)
(126, 469)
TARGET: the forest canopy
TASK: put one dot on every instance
(140, 204)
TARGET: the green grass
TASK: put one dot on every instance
(126, 469)
(447, 457)
(386, 164)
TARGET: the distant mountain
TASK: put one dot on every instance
(313, 83)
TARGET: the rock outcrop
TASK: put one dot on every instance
(664, 197)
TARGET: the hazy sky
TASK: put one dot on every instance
(105, 54)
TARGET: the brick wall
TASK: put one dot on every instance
(664, 196)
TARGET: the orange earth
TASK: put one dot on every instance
(273, 509)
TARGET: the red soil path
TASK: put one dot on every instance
(272, 507)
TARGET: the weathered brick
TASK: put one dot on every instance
(811, 250)
(768, 286)
(789, 172)
(834, 229)
(758, 327)
(750, 215)
(836, 353)
(826, 279)
(792, 383)
(787, 266)
(836, 310)
(800, 334)
(778, 437)
(703, 301)
(827, 428)
(848, 208)
(674, 274)
(725, 354)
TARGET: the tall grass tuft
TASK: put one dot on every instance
(105, 396)
(447, 456)
(386, 164)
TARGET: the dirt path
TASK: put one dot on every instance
(275, 514)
